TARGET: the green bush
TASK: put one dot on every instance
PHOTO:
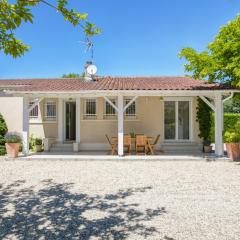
(231, 125)
(3, 131)
(204, 119)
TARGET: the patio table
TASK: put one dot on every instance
(149, 139)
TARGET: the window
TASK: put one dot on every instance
(110, 111)
(50, 112)
(131, 110)
(90, 110)
(34, 112)
(177, 120)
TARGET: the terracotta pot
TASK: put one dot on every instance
(233, 151)
(12, 149)
(207, 149)
(38, 148)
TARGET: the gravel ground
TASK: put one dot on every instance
(119, 200)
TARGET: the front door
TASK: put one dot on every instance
(70, 121)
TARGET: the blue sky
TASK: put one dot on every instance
(139, 37)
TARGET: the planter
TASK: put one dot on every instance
(12, 149)
(233, 151)
(38, 148)
(207, 149)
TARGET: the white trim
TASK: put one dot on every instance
(60, 120)
(111, 103)
(130, 103)
(208, 103)
(25, 126)
(120, 125)
(35, 103)
(78, 117)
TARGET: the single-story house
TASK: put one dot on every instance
(81, 111)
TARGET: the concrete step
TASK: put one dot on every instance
(181, 147)
(61, 147)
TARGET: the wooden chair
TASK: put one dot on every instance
(127, 141)
(141, 142)
(112, 145)
(151, 146)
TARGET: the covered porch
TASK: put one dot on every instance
(79, 131)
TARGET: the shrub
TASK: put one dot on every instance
(38, 141)
(3, 131)
(230, 123)
(204, 119)
(233, 135)
(13, 137)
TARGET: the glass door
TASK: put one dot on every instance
(177, 120)
(70, 121)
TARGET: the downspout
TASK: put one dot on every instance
(224, 100)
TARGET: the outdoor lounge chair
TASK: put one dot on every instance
(112, 145)
(151, 146)
(127, 142)
(141, 143)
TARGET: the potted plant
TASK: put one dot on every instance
(232, 140)
(12, 144)
(207, 146)
(38, 144)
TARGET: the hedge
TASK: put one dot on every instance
(230, 120)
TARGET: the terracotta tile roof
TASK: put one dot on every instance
(109, 83)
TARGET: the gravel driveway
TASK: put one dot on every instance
(119, 200)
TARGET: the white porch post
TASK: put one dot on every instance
(78, 130)
(218, 124)
(25, 126)
(120, 126)
(60, 120)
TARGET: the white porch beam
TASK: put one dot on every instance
(78, 119)
(229, 97)
(130, 103)
(111, 103)
(218, 125)
(36, 102)
(208, 103)
(60, 120)
(120, 126)
(25, 127)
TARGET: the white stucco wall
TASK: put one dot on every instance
(149, 121)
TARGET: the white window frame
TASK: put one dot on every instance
(110, 115)
(53, 117)
(126, 115)
(34, 110)
(176, 100)
(90, 116)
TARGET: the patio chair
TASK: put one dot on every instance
(151, 146)
(141, 143)
(112, 145)
(127, 141)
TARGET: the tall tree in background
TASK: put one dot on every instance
(13, 15)
(220, 62)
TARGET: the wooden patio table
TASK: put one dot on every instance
(149, 139)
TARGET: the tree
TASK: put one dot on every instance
(13, 15)
(73, 75)
(220, 62)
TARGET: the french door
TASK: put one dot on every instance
(177, 120)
